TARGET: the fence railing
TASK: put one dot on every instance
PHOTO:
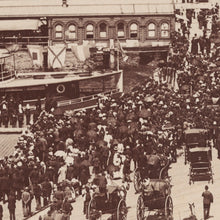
(6, 75)
(38, 40)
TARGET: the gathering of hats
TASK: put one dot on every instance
(57, 159)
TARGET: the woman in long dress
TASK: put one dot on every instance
(62, 173)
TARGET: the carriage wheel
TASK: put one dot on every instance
(168, 208)
(137, 180)
(91, 209)
(140, 208)
(122, 210)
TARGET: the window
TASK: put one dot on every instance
(89, 31)
(164, 30)
(103, 30)
(71, 32)
(151, 30)
(121, 30)
(133, 30)
(58, 31)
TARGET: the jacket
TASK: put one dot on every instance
(207, 197)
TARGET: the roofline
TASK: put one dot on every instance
(83, 15)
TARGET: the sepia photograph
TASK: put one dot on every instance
(109, 109)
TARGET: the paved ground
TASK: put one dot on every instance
(7, 143)
(182, 194)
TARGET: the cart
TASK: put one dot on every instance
(155, 199)
(156, 167)
(196, 138)
(200, 165)
(112, 202)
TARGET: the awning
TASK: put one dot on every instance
(21, 24)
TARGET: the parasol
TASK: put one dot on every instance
(123, 129)
(149, 133)
(111, 121)
(69, 160)
(132, 128)
(144, 113)
(78, 133)
(153, 160)
(92, 125)
(100, 143)
(149, 99)
(212, 65)
(161, 63)
(60, 153)
(85, 163)
(130, 116)
(215, 100)
(74, 120)
(92, 134)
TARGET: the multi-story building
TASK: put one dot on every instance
(138, 24)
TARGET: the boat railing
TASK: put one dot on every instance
(86, 98)
(6, 75)
(70, 102)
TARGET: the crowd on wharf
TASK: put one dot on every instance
(57, 158)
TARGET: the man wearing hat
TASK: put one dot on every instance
(12, 205)
(26, 202)
(46, 191)
(27, 113)
(5, 186)
(126, 169)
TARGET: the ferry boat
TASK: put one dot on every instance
(70, 89)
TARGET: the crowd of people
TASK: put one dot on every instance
(58, 157)
(14, 112)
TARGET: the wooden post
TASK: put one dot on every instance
(112, 54)
(119, 85)
(14, 63)
(118, 64)
(103, 84)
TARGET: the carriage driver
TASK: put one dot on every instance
(146, 185)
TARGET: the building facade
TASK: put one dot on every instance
(137, 24)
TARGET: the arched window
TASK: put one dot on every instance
(120, 30)
(102, 30)
(89, 31)
(59, 31)
(151, 30)
(71, 32)
(164, 30)
(133, 30)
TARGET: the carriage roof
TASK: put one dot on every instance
(158, 185)
(199, 149)
(195, 131)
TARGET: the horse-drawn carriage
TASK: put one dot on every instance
(111, 202)
(200, 165)
(196, 138)
(155, 197)
(154, 167)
